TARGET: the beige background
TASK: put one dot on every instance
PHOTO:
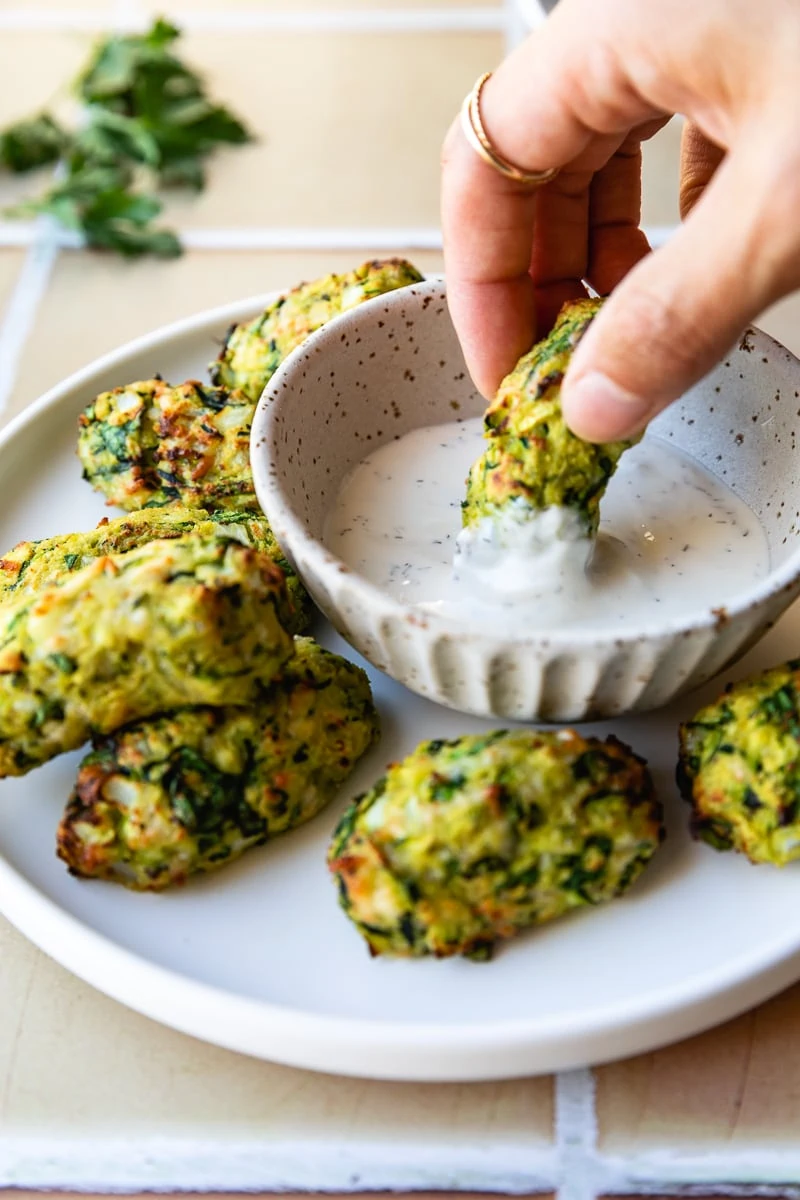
(349, 127)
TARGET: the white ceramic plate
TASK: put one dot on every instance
(260, 959)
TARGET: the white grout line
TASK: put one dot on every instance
(519, 21)
(311, 239)
(478, 19)
(126, 13)
(730, 1171)
(778, 1191)
(262, 1164)
(18, 233)
(23, 305)
(265, 1164)
(530, 12)
(576, 1135)
(23, 233)
(13, 233)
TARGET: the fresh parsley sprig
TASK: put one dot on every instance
(149, 123)
(140, 78)
(99, 202)
(32, 143)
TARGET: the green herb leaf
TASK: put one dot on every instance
(33, 143)
(183, 172)
(63, 662)
(116, 67)
(110, 139)
(148, 116)
(139, 78)
(133, 243)
(97, 202)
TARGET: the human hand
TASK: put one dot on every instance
(582, 93)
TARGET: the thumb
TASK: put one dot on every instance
(680, 308)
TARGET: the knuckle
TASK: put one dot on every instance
(602, 96)
(691, 190)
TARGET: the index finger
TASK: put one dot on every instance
(530, 113)
(487, 227)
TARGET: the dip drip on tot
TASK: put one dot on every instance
(535, 491)
(527, 551)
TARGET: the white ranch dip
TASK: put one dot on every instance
(673, 541)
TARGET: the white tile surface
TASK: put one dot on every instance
(92, 1094)
(95, 1096)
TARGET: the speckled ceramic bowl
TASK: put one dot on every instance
(393, 365)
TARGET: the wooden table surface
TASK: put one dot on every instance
(93, 1096)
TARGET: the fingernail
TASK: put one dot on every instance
(599, 410)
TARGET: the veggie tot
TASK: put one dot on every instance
(254, 350)
(739, 767)
(469, 841)
(150, 443)
(533, 461)
(31, 566)
(190, 791)
(179, 622)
